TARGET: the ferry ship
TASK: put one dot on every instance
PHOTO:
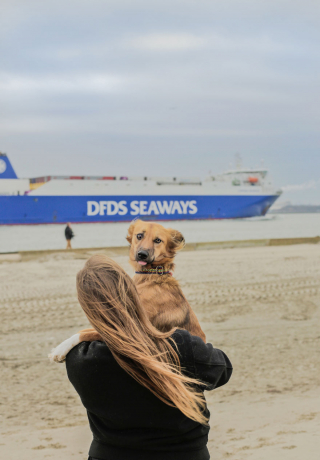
(239, 193)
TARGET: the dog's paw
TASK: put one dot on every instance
(58, 354)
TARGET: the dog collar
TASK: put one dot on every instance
(159, 270)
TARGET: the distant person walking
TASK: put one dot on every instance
(69, 235)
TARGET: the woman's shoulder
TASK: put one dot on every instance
(87, 354)
(89, 362)
(209, 365)
(200, 351)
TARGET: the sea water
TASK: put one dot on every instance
(40, 237)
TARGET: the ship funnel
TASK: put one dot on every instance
(6, 169)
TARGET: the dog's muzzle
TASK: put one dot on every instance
(143, 257)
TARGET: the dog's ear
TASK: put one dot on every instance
(177, 241)
(130, 232)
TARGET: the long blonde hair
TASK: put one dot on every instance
(111, 303)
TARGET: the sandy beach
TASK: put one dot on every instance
(260, 305)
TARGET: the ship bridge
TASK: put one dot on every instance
(252, 177)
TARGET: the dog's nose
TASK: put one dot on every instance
(142, 254)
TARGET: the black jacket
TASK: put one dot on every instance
(68, 233)
(128, 422)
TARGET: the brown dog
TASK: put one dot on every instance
(152, 252)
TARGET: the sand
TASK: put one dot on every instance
(260, 305)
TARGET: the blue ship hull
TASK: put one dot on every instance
(61, 209)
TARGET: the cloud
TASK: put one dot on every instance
(92, 83)
(168, 42)
(227, 42)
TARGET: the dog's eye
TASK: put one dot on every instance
(157, 240)
(139, 236)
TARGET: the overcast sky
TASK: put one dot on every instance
(159, 87)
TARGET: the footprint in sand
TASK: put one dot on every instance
(56, 446)
(50, 446)
(310, 416)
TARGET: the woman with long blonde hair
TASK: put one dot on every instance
(143, 389)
